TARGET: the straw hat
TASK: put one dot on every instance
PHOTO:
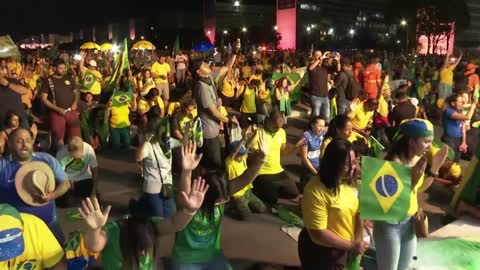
(33, 180)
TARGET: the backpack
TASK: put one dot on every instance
(353, 88)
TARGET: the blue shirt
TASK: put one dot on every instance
(8, 192)
(451, 127)
(313, 147)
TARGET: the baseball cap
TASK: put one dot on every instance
(11, 233)
(242, 151)
(92, 63)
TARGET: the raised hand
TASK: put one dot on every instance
(190, 159)
(418, 170)
(93, 216)
(438, 159)
(194, 200)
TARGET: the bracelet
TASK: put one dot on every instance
(189, 212)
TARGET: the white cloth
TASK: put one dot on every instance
(181, 61)
(79, 169)
(151, 174)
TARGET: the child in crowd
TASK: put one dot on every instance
(244, 201)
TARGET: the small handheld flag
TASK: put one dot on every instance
(385, 190)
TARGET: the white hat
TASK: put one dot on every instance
(92, 63)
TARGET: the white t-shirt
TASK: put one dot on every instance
(181, 61)
(78, 169)
(151, 174)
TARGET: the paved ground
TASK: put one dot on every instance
(260, 240)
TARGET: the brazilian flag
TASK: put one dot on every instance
(164, 136)
(88, 80)
(376, 146)
(197, 131)
(122, 96)
(385, 190)
(449, 253)
(121, 65)
(301, 74)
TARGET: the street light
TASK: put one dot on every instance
(351, 32)
(403, 23)
(208, 32)
(275, 28)
(225, 32)
(330, 31)
(244, 29)
(236, 3)
(142, 37)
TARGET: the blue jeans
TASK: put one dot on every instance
(343, 106)
(444, 90)
(395, 244)
(321, 107)
(156, 205)
(219, 263)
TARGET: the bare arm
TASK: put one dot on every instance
(62, 188)
(468, 116)
(315, 64)
(227, 67)
(306, 161)
(17, 88)
(249, 175)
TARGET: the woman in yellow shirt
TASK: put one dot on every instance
(396, 242)
(330, 209)
(228, 89)
(249, 106)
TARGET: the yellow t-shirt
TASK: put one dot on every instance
(248, 102)
(275, 141)
(228, 88)
(382, 107)
(41, 247)
(160, 69)
(361, 118)
(446, 75)
(145, 106)
(120, 116)
(322, 209)
(264, 95)
(97, 86)
(145, 86)
(412, 210)
(256, 77)
(32, 82)
(234, 170)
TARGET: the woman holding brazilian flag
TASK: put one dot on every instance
(395, 237)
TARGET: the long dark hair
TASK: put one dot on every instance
(399, 148)
(339, 122)
(332, 167)
(10, 114)
(218, 189)
(137, 234)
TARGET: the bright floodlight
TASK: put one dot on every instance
(142, 37)
(330, 31)
(236, 3)
(115, 48)
(398, 41)
(208, 32)
(403, 22)
(225, 32)
(244, 29)
(275, 28)
(308, 28)
(351, 32)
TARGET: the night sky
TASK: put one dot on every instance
(46, 16)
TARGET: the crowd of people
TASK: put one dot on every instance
(221, 121)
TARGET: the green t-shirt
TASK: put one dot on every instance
(199, 242)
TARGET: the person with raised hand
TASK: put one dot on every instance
(197, 246)
(129, 243)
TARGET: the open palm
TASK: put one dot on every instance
(92, 214)
(190, 159)
(194, 200)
